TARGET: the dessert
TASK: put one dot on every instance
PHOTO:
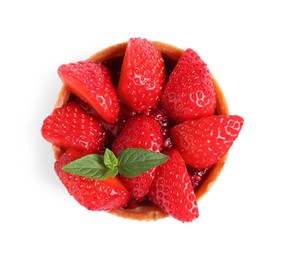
(141, 129)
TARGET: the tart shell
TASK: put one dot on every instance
(152, 212)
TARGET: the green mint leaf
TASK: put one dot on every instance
(110, 160)
(113, 173)
(130, 163)
(133, 161)
(89, 166)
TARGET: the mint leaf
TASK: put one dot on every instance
(130, 163)
(112, 173)
(89, 166)
(133, 161)
(110, 160)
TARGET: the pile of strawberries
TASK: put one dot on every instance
(173, 115)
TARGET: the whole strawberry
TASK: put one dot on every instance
(172, 190)
(92, 83)
(93, 194)
(70, 126)
(203, 142)
(142, 75)
(189, 92)
(139, 132)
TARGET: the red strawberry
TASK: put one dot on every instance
(204, 141)
(189, 92)
(69, 126)
(139, 132)
(93, 194)
(172, 190)
(142, 75)
(92, 83)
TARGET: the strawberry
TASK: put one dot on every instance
(139, 132)
(189, 92)
(142, 75)
(92, 83)
(93, 194)
(69, 126)
(172, 190)
(165, 123)
(203, 142)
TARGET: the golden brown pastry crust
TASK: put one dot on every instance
(151, 212)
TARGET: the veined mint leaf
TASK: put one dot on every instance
(130, 163)
(110, 160)
(89, 166)
(133, 161)
(113, 173)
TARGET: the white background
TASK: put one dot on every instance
(242, 217)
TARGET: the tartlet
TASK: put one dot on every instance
(112, 57)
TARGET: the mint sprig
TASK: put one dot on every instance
(130, 163)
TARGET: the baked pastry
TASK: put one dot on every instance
(112, 58)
